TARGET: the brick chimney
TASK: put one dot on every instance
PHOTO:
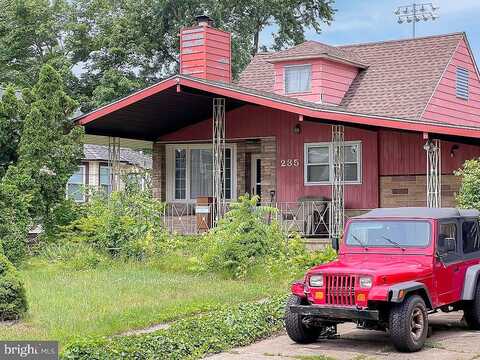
(206, 52)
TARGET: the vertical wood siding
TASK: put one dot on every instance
(328, 78)
(444, 104)
(253, 121)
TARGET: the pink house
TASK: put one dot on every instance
(405, 114)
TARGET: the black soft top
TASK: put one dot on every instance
(420, 212)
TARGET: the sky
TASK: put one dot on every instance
(358, 21)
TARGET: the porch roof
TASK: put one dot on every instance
(182, 100)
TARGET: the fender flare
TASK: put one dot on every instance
(470, 283)
(408, 287)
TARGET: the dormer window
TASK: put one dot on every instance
(462, 83)
(298, 78)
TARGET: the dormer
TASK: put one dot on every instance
(315, 72)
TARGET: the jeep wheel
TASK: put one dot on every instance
(471, 312)
(409, 324)
(296, 329)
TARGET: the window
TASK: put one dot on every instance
(298, 78)
(471, 237)
(76, 184)
(318, 160)
(447, 231)
(105, 179)
(192, 169)
(462, 83)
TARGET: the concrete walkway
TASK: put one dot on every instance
(450, 340)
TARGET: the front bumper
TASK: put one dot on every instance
(335, 312)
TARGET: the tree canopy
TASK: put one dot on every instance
(105, 49)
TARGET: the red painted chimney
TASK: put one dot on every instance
(206, 52)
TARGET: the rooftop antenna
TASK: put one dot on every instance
(415, 13)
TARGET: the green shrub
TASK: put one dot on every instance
(127, 223)
(13, 301)
(71, 255)
(191, 338)
(242, 239)
(469, 194)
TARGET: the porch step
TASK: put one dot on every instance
(313, 243)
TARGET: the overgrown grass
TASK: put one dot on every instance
(111, 299)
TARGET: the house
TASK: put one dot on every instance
(321, 131)
(95, 170)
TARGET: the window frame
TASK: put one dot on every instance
(170, 169)
(359, 180)
(458, 255)
(286, 68)
(461, 92)
(100, 166)
(473, 254)
(84, 195)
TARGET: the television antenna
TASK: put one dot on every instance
(415, 13)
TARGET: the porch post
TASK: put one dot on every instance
(114, 162)
(338, 203)
(218, 147)
(434, 173)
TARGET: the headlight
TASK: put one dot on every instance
(366, 282)
(316, 280)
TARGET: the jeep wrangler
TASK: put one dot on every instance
(394, 267)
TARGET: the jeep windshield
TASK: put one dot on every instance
(388, 233)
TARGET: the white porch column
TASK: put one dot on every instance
(338, 183)
(434, 173)
(114, 162)
(218, 147)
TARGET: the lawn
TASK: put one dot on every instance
(123, 296)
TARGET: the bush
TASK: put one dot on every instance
(191, 338)
(127, 223)
(469, 194)
(13, 301)
(76, 256)
(242, 239)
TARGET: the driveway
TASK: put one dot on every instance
(450, 340)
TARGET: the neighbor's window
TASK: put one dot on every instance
(319, 163)
(105, 179)
(388, 233)
(76, 185)
(298, 78)
(462, 83)
(193, 169)
(471, 237)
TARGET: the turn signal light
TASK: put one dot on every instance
(360, 297)
(318, 295)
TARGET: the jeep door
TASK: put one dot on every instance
(448, 262)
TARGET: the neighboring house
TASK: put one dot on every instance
(95, 170)
(399, 102)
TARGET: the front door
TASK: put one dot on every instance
(447, 263)
(256, 175)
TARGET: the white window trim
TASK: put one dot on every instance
(84, 197)
(285, 67)
(330, 160)
(170, 170)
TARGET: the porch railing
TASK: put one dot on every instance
(308, 218)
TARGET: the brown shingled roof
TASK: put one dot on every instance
(399, 81)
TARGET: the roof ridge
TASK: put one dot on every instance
(401, 40)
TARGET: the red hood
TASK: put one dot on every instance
(391, 268)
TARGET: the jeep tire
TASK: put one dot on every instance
(471, 312)
(408, 324)
(296, 329)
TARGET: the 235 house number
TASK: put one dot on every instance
(289, 163)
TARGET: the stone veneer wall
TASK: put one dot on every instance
(396, 191)
(267, 148)
(159, 168)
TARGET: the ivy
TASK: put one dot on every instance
(191, 338)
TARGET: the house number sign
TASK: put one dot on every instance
(289, 163)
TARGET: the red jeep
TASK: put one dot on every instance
(394, 267)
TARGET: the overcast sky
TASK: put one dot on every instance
(373, 20)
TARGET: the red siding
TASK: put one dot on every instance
(252, 121)
(328, 78)
(402, 153)
(444, 104)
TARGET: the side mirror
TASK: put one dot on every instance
(450, 245)
(335, 244)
